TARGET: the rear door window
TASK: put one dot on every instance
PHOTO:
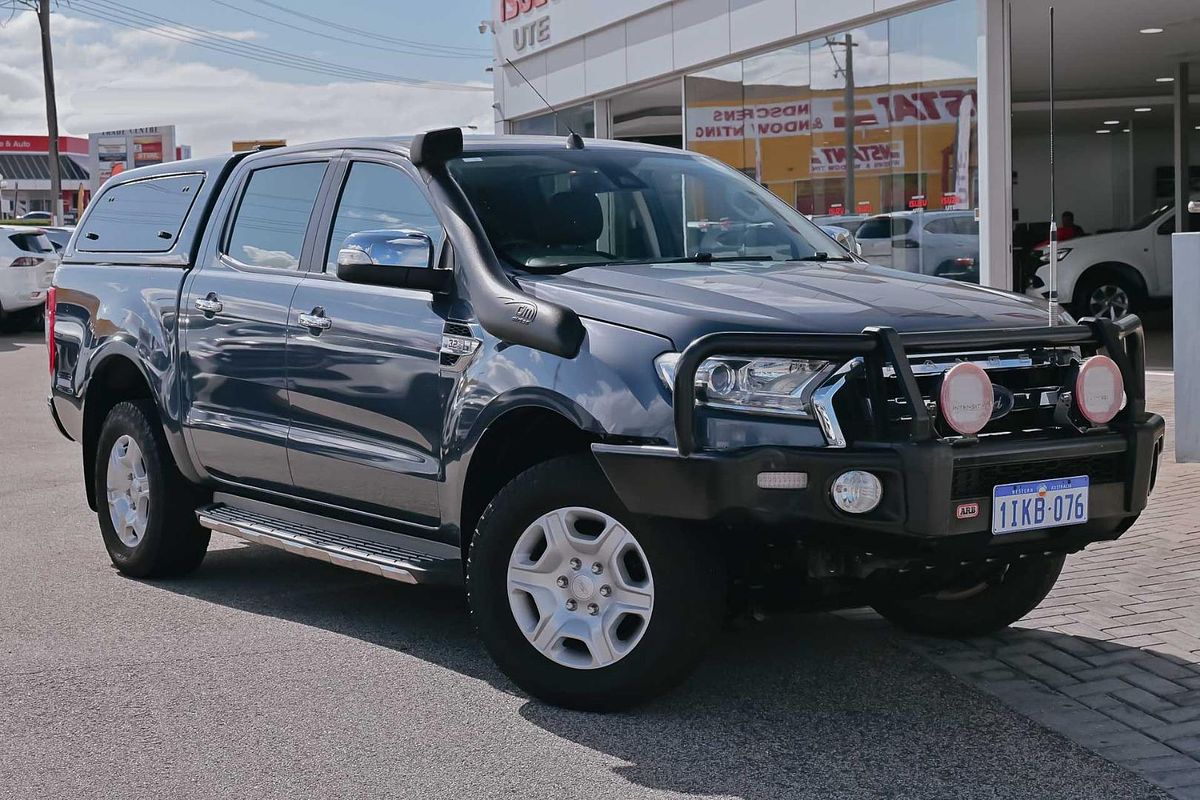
(32, 242)
(140, 217)
(273, 215)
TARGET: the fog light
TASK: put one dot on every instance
(966, 399)
(782, 480)
(857, 492)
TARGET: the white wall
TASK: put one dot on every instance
(583, 60)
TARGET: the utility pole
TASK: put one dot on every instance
(847, 72)
(51, 113)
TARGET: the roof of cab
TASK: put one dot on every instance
(395, 144)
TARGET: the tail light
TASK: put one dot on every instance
(51, 315)
(26, 261)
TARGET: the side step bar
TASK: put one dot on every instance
(403, 558)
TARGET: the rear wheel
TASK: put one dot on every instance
(979, 608)
(582, 603)
(145, 507)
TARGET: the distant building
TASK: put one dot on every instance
(25, 174)
(129, 148)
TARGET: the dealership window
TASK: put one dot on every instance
(653, 115)
(781, 117)
(581, 119)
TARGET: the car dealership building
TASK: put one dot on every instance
(862, 107)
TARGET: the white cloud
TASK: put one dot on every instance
(117, 78)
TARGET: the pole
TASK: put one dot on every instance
(1053, 211)
(51, 113)
(1182, 155)
(850, 205)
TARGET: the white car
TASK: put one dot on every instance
(27, 264)
(942, 243)
(1113, 274)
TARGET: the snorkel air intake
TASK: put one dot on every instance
(503, 309)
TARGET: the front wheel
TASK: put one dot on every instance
(980, 608)
(582, 603)
(1107, 295)
(145, 506)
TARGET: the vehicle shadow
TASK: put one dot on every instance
(798, 706)
(11, 342)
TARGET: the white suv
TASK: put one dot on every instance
(1112, 274)
(942, 243)
(27, 264)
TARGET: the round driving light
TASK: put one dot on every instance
(967, 398)
(1098, 392)
(857, 492)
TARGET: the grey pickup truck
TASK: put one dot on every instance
(619, 392)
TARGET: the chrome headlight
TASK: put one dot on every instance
(780, 386)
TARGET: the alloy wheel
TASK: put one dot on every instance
(580, 588)
(1109, 301)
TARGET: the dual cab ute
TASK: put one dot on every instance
(618, 390)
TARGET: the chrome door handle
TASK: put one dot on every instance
(209, 305)
(318, 322)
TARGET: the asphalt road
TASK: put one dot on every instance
(265, 675)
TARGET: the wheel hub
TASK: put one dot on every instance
(580, 588)
(128, 489)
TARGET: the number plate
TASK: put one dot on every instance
(1040, 504)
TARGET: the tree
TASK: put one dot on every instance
(42, 7)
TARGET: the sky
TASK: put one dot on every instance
(136, 63)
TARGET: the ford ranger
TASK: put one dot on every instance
(619, 392)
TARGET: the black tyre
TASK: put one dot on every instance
(976, 610)
(1107, 294)
(582, 603)
(145, 506)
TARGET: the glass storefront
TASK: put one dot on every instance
(909, 145)
(581, 119)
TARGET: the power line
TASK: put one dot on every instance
(432, 53)
(328, 23)
(145, 22)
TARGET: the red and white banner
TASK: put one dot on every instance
(895, 109)
(831, 160)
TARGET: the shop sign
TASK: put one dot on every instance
(899, 108)
(831, 160)
(918, 201)
(528, 33)
(864, 207)
(837, 209)
(949, 200)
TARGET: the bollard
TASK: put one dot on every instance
(1185, 279)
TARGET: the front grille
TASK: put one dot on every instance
(1033, 379)
(978, 481)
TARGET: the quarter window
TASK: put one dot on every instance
(379, 197)
(272, 218)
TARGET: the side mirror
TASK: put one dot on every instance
(402, 258)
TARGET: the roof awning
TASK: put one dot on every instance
(36, 167)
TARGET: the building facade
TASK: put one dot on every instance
(843, 109)
(25, 174)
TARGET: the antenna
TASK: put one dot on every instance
(574, 141)
(1053, 211)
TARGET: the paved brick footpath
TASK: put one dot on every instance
(1111, 659)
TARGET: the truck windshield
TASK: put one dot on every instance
(558, 210)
